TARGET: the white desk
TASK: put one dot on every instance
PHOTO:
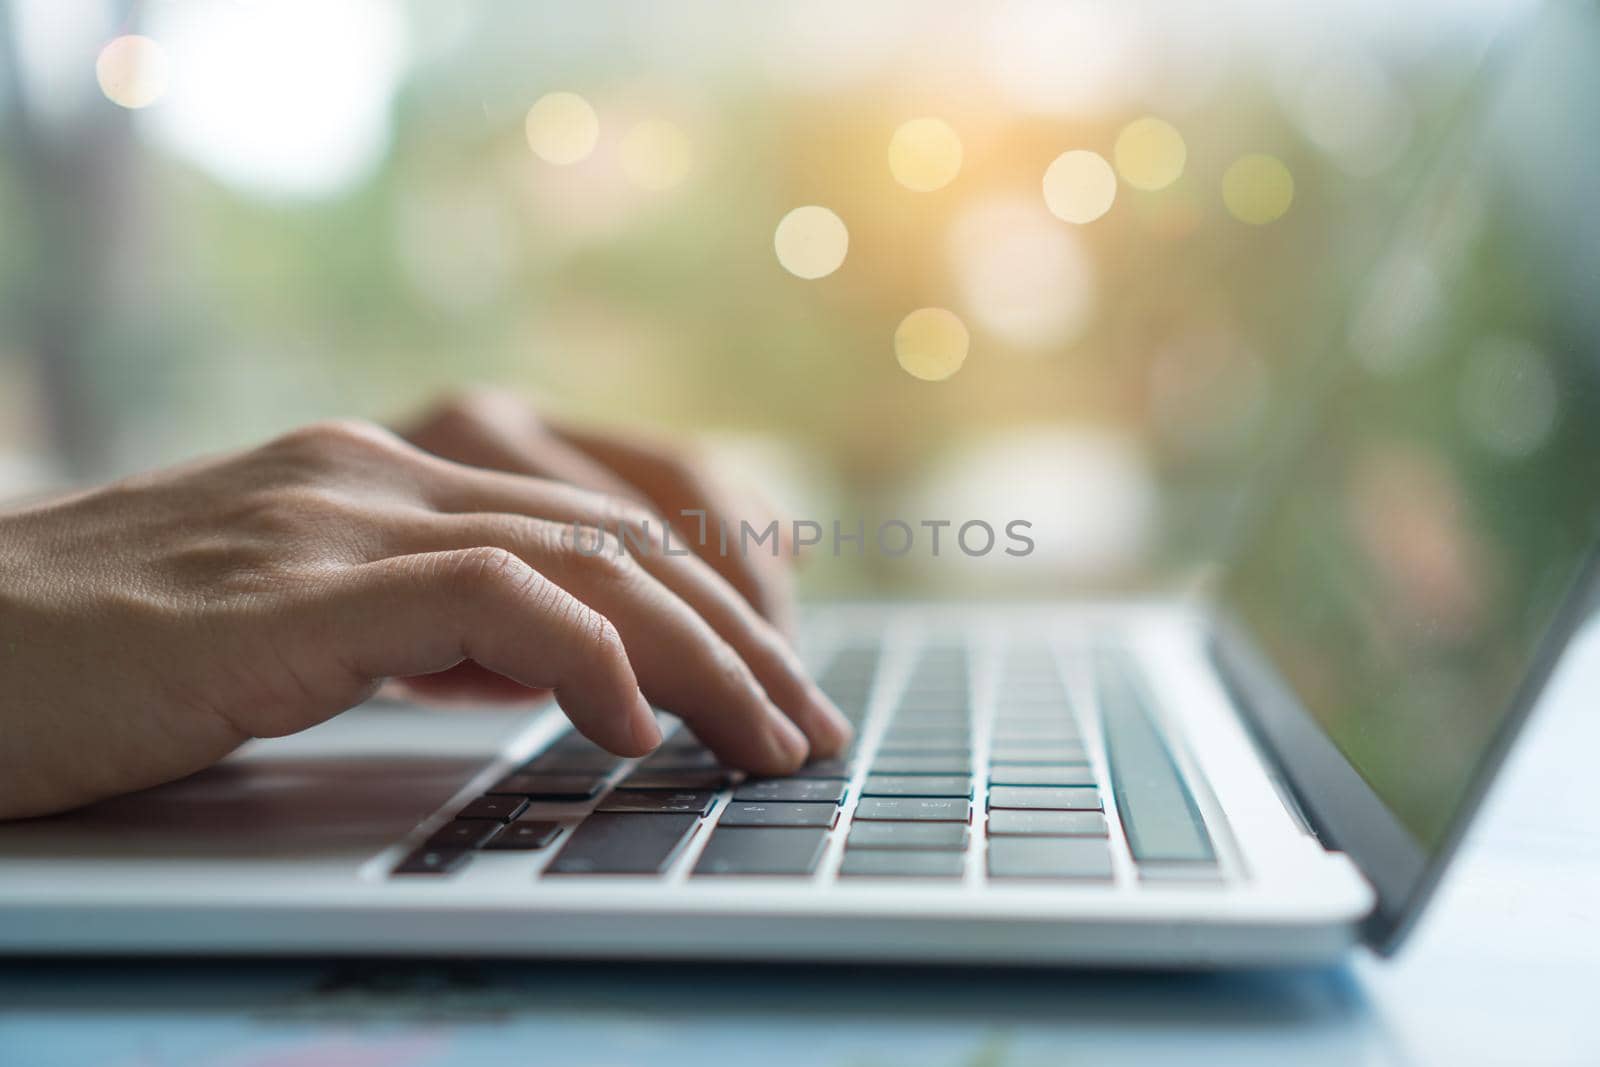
(1504, 970)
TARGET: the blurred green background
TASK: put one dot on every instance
(334, 209)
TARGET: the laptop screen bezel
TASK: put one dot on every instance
(1345, 811)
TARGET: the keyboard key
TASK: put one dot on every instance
(597, 761)
(618, 843)
(550, 786)
(678, 781)
(1054, 798)
(428, 860)
(680, 760)
(828, 768)
(1004, 751)
(1050, 857)
(961, 751)
(902, 864)
(462, 833)
(917, 785)
(1012, 823)
(922, 765)
(762, 850)
(945, 836)
(524, 836)
(805, 790)
(1159, 815)
(746, 814)
(500, 809)
(697, 801)
(1041, 775)
(915, 809)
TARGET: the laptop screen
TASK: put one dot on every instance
(1440, 513)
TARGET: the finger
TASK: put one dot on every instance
(682, 664)
(730, 616)
(674, 486)
(424, 613)
(496, 431)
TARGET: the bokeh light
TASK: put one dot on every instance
(1066, 57)
(1079, 186)
(925, 154)
(931, 344)
(1509, 399)
(1023, 276)
(132, 71)
(562, 128)
(271, 108)
(1257, 189)
(1351, 109)
(1150, 154)
(656, 154)
(811, 242)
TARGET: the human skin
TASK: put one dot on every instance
(151, 626)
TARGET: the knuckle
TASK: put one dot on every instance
(339, 438)
(489, 570)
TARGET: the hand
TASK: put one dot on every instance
(498, 431)
(150, 627)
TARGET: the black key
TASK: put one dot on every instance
(1038, 755)
(1070, 774)
(429, 860)
(828, 768)
(681, 760)
(902, 748)
(550, 786)
(697, 801)
(572, 741)
(1051, 798)
(524, 836)
(1159, 815)
(618, 843)
(914, 809)
(1050, 857)
(1013, 823)
(463, 833)
(917, 785)
(941, 738)
(559, 762)
(922, 765)
(763, 850)
(947, 836)
(678, 781)
(500, 809)
(902, 864)
(746, 814)
(804, 790)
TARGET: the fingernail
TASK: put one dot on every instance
(788, 742)
(828, 712)
(646, 731)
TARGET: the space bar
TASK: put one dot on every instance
(1158, 813)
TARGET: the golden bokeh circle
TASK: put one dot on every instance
(1150, 154)
(656, 154)
(562, 128)
(1257, 189)
(925, 154)
(931, 344)
(1079, 186)
(132, 71)
(811, 242)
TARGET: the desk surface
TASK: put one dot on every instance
(1504, 970)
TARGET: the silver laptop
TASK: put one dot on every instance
(1266, 776)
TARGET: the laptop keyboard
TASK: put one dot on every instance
(919, 784)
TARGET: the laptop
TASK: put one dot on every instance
(1267, 775)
